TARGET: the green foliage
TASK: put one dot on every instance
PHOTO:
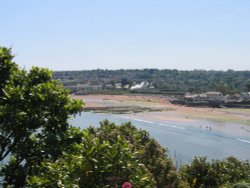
(247, 85)
(93, 162)
(146, 149)
(242, 185)
(6, 67)
(165, 81)
(107, 157)
(201, 173)
(33, 118)
(220, 86)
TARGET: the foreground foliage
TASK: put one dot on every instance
(107, 157)
(202, 173)
(34, 110)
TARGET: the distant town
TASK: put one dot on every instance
(215, 99)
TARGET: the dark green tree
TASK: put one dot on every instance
(33, 118)
(247, 85)
(107, 157)
(124, 82)
(6, 67)
(202, 173)
(147, 151)
(93, 162)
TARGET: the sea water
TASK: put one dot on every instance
(183, 142)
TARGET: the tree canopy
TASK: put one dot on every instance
(163, 81)
(34, 110)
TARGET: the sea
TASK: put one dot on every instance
(182, 141)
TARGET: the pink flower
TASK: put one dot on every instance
(127, 185)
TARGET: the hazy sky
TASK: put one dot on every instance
(114, 34)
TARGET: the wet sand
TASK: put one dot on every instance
(227, 120)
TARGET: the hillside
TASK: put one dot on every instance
(157, 81)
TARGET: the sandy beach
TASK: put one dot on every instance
(157, 108)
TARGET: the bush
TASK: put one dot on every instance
(201, 173)
(107, 157)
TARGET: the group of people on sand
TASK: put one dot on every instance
(208, 128)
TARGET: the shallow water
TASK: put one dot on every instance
(183, 141)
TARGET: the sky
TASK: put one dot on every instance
(127, 34)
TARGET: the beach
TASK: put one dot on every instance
(157, 108)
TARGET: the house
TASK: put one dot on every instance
(142, 85)
(126, 86)
(246, 96)
(233, 98)
(212, 95)
(189, 96)
(118, 86)
(86, 88)
(109, 86)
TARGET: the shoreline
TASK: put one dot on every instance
(158, 108)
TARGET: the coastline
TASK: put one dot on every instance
(157, 108)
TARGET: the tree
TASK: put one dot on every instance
(220, 86)
(93, 162)
(6, 67)
(124, 82)
(33, 118)
(201, 173)
(247, 85)
(147, 151)
(107, 157)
